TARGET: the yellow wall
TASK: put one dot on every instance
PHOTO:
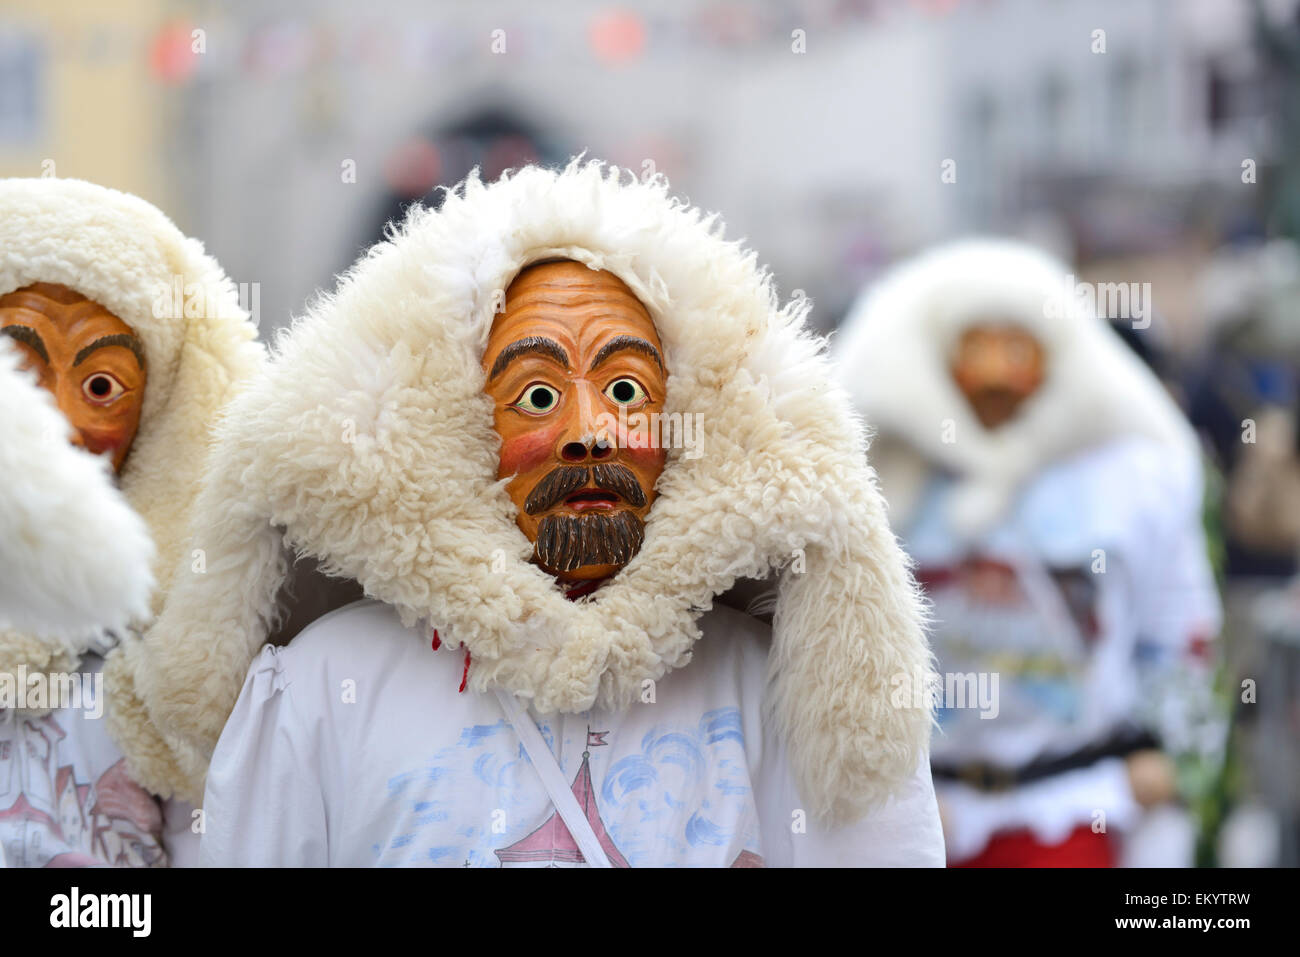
(101, 119)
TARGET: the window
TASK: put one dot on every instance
(22, 62)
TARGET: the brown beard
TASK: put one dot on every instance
(566, 543)
(996, 405)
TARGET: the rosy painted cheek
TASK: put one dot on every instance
(523, 453)
(105, 440)
(637, 445)
(645, 458)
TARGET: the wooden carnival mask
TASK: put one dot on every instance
(997, 367)
(87, 357)
(572, 349)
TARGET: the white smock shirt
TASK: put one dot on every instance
(1092, 605)
(353, 747)
(66, 797)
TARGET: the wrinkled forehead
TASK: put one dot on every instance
(61, 305)
(996, 330)
(989, 331)
(570, 300)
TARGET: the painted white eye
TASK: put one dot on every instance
(102, 389)
(537, 399)
(625, 391)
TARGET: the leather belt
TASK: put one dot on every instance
(994, 778)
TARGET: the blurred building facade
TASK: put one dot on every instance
(834, 135)
(78, 95)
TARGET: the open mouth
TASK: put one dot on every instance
(586, 498)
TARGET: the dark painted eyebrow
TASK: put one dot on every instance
(117, 339)
(28, 337)
(538, 345)
(619, 343)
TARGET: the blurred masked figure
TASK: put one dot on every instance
(1050, 493)
(121, 340)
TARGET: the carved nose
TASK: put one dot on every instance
(579, 451)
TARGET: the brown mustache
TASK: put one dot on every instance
(567, 479)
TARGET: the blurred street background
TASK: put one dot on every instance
(835, 136)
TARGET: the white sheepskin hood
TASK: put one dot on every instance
(369, 445)
(75, 558)
(892, 356)
(125, 254)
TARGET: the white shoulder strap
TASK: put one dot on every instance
(553, 780)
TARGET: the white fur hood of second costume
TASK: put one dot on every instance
(126, 255)
(369, 445)
(893, 356)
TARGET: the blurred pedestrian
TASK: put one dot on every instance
(1049, 490)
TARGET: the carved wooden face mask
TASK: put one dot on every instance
(572, 349)
(997, 368)
(87, 357)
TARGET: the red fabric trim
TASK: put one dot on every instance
(1083, 848)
